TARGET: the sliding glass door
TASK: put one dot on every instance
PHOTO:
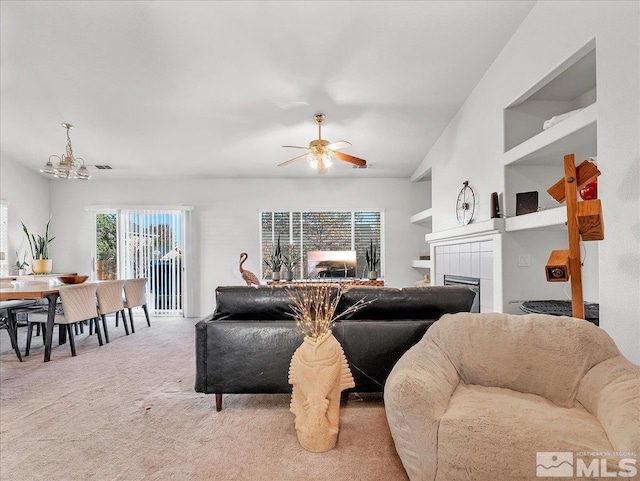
(147, 243)
(106, 258)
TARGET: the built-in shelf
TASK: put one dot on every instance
(423, 172)
(537, 220)
(570, 86)
(423, 217)
(533, 157)
(490, 226)
(421, 264)
(578, 132)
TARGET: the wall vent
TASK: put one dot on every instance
(103, 167)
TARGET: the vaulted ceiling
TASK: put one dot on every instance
(215, 89)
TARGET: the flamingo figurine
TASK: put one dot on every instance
(248, 276)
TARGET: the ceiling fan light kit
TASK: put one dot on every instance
(322, 152)
(66, 165)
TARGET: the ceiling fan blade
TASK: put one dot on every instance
(290, 161)
(350, 158)
(340, 144)
(295, 147)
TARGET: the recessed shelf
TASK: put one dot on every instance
(568, 87)
(578, 132)
(423, 217)
(556, 217)
(422, 264)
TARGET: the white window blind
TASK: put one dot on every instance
(153, 244)
(321, 231)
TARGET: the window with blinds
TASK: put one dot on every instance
(301, 232)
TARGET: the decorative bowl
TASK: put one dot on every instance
(72, 279)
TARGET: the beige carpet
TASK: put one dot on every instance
(128, 411)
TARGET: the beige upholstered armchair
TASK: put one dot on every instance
(497, 396)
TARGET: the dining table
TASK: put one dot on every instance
(35, 291)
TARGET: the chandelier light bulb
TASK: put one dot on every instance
(313, 160)
(83, 173)
(48, 168)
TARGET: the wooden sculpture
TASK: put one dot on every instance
(584, 220)
(248, 276)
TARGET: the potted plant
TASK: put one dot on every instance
(290, 262)
(21, 264)
(40, 264)
(371, 256)
(274, 262)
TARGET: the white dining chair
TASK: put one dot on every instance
(135, 294)
(79, 304)
(110, 301)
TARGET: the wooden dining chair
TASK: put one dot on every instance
(110, 302)
(135, 294)
(78, 305)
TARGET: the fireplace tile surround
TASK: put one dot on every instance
(471, 251)
(470, 259)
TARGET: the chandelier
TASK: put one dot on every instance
(67, 166)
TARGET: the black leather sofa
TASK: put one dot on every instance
(246, 345)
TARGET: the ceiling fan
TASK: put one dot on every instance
(321, 152)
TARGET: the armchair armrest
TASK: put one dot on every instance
(610, 391)
(416, 395)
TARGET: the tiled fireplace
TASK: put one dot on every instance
(469, 259)
(471, 253)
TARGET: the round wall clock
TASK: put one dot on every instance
(466, 204)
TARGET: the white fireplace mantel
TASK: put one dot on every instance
(487, 227)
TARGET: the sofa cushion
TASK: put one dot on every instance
(491, 430)
(539, 354)
(263, 303)
(407, 303)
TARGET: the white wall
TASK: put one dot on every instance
(529, 283)
(27, 194)
(471, 147)
(225, 220)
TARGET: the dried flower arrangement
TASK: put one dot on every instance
(314, 307)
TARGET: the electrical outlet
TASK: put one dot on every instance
(524, 261)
